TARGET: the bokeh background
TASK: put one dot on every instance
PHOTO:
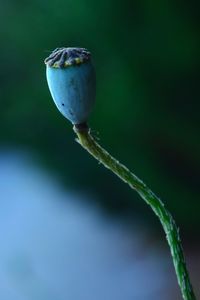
(146, 55)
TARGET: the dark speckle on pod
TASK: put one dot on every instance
(72, 84)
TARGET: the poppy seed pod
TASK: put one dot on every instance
(71, 81)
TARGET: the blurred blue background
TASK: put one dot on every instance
(147, 115)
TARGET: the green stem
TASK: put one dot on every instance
(166, 219)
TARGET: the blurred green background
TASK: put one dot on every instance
(146, 55)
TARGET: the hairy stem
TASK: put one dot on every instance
(172, 233)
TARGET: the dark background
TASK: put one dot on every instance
(146, 55)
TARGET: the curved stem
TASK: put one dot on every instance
(166, 219)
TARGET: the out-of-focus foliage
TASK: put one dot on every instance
(147, 111)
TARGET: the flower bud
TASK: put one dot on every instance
(71, 81)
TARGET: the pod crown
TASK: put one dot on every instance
(65, 57)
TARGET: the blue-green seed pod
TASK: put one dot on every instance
(71, 81)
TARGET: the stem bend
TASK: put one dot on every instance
(86, 140)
